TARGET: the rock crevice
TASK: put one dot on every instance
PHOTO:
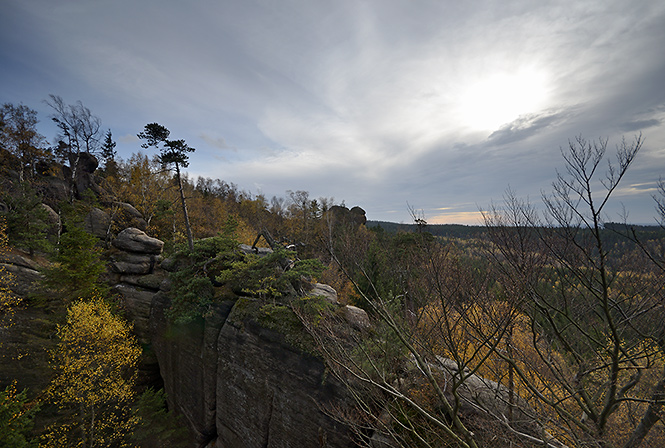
(236, 382)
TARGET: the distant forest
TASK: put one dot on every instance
(611, 230)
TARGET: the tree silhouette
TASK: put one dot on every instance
(172, 153)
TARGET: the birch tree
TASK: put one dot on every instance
(95, 367)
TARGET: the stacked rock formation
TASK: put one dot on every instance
(135, 262)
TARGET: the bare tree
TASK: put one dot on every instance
(18, 134)
(81, 132)
(429, 363)
(598, 308)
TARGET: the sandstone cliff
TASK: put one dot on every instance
(236, 381)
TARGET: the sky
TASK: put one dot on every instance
(434, 106)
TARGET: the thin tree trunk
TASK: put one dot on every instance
(511, 376)
(650, 417)
(190, 239)
(72, 182)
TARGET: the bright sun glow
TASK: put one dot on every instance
(501, 98)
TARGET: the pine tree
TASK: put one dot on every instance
(172, 153)
(27, 220)
(77, 268)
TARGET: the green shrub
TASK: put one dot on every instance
(192, 283)
(272, 276)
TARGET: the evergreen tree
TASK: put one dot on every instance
(16, 419)
(108, 147)
(77, 268)
(27, 220)
(109, 152)
(172, 153)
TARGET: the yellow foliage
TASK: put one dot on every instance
(246, 234)
(95, 364)
(497, 342)
(8, 300)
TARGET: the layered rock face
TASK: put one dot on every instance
(25, 270)
(135, 265)
(29, 332)
(240, 384)
(237, 383)
(274, 397)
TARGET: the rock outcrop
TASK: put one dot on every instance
(134, 263)
(343, 215)
(25, 270)
(240, 384)
(236, 382)
(137, 241)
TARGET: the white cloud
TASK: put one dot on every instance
(366, 100)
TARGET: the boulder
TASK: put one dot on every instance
(356, 317)
(56, 189)
(15, 257)
(97, 222)
(86, 181)
(136, 240)
(133, 263)
(488, 397)
(325, 291)
(126, 215)
(53, 219)
(26, 280)
(169, 264)
(85, 162)
(343, 215)
(26, 271)
(358, 215)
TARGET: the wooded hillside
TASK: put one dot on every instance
(540, 328)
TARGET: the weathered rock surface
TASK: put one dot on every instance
(239, 384)
(343, 215)
(53, 219)
(126, 215)
(137, 303)
(134, 263)
(84, 179)
(235, 382)
(26, 279)
(356, 317)
(25, 343)
(276, 393)
(478, 393)
(136, 240)
(153, 281)
(187, 356)
(97, 222)
(325, 291)
(25, 271)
